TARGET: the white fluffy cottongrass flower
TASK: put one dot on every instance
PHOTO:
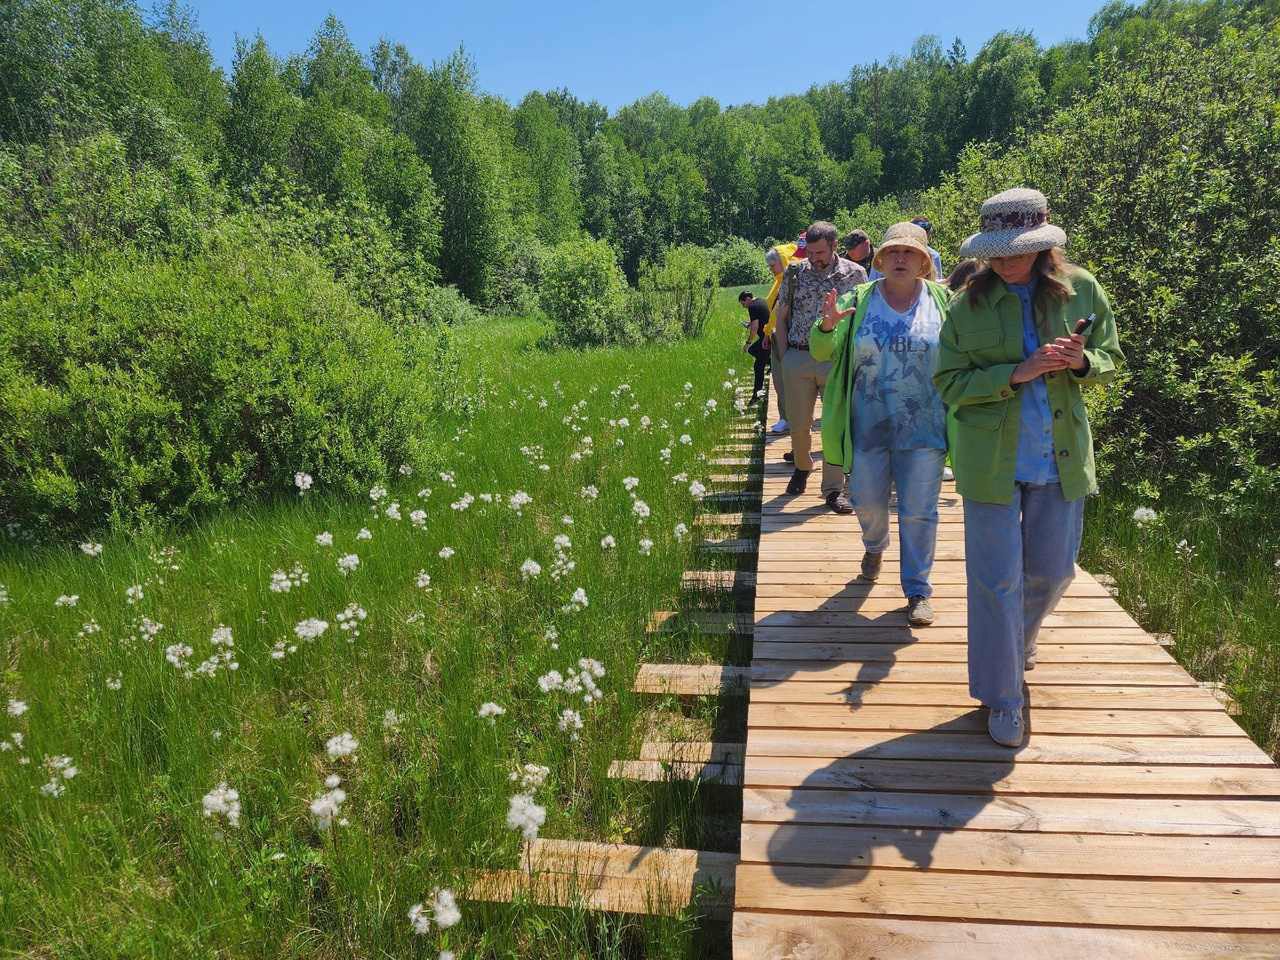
(324, 539)
(530, 569)
(310, 629)
(696, 489)
(685, 439)
(646, 546)
(590, 492)
(378, 493)
(711, 405)
(1143, 515)
(665, 454)
(446, 552)
(423, 580)
(302, 481)
(607, 542)
(418, 518)
(1185, 550)
(571, 722)
(283, 581)
(348, 563)
(640, 509)
(681, 531)
(490, 711)
(364, 534)
(518, 501)
(342, 746)
(223, 801)
(549, 681)
(91, 549)
(133, 594)
(115, 682)
(326, 807)
(630, 483)
(179, 654)
(578, 601)
(59, 770)
(525, 815)
(349, 620)
(444, 912)
(393, 510)
(16, 708)
(531, 776)
(67, 600)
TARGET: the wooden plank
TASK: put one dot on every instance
(1008, 777)
(768, 605)
(832, 586)
(749, 518)
(912, 636)
(814, 716)
(656, 771)
(692, 751)
(1042, 697)
(682, 679)
(718, 580)
(789, 936)
(612, 877)
(1039, 748)
(1094, 674)
(1035, 814)
(1021, 898)
(1116, 855)
(705, 621)
(943, 618)
(956, 652)
(731, 545)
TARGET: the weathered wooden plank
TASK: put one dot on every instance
(790, 936)
(1039, 748)
(730, 545)
(1023, 898)
(1007, 777)
(1138, 723)
(957, 652)
(682, 679)
(748, 518)
(1046, 696)
(656, 771)
(692, 751)
(1092, 674)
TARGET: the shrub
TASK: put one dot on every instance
(741, 263)
(516, 288)
(145, 390)
(446, 307)
(676, 294)
(584, 295)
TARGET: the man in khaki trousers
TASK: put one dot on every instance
(804, 287)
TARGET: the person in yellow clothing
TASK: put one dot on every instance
(777, 258)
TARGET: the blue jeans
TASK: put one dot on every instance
(918, 476)
(1019, 560)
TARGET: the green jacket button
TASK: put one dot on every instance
(1064, 453)
(1057, 414)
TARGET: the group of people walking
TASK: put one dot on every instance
(986, 370)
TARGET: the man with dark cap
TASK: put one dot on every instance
(857, 248)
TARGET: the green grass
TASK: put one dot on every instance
(125, 864)
(1217, 595)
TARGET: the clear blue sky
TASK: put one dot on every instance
(617, 52)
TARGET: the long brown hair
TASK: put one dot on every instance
(1051, 267)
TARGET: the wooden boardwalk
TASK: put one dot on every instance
(879, 820)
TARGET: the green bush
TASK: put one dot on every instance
(584, 296)
(143, 390)
(741, 263)
(446, 307)
(675, 295)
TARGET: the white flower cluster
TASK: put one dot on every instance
(324, 539)
(349, 620)
(16, 708)
(67, 600)
(530, 777)
(590, 492)
(348, 563)
(607, 542)
(310, 629)
(530, 569)
(222, 801)
(518, 501)
(327, 805)
(444, 912)
(418, 518)
(646, 546)
(223, 657)
(525, 815)
(563, 564)
(571, 722)
(133, 594)
(578, 601)
(681, 531)
(378, 493)
(283, 581)
(342, 746)
(364, 533)
(463, 503)
(1143, 515)
(423, 580)
(302, 481)
(91, 549)
(491, 712)
(697, 489)
(60, 769)
(391, 721)
(446, 552)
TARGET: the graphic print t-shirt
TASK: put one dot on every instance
(895, 405)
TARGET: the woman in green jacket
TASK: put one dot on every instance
(880, 405)
(1011, 369)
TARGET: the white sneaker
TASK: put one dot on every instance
(948, 473)
(780, 427)
(1005, 727)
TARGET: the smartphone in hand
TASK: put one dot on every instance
(1084, 325)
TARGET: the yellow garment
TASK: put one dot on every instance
(787, 251)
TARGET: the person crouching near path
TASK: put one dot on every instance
(804, 287)
(881, 407)
(1011, 369)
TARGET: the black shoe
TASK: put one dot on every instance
(789, 457)
(919, 611)
(799, 480)
(871, 567)
(839, 502)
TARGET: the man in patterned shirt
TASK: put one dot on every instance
(804, 286)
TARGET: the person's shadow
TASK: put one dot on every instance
(889, 802)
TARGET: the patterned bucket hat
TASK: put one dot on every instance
(911, 236)
(1013, 223)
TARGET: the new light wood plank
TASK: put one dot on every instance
(957, 652)
(1042, 697)
(1034, 814)
(799, 585)
(790, 936)
(1089, 674)
(960, 719)
(1008, 777)
(1022, 898)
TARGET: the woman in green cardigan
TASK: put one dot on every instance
(1011, 369)
(880, 405)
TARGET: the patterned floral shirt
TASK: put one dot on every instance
(812, 286)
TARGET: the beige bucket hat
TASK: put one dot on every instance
(910, 236)
(1013, 223)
